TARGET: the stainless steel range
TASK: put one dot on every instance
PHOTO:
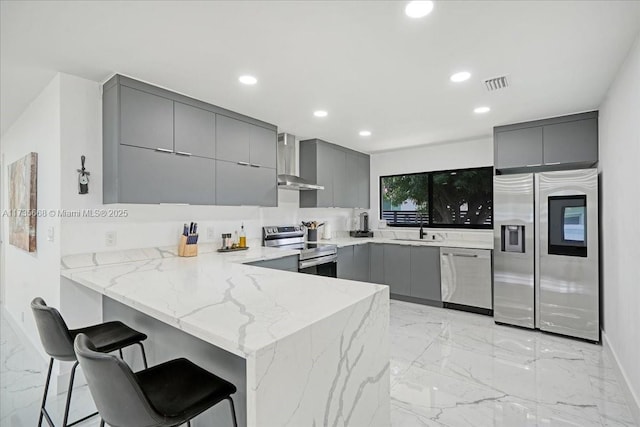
(315, 258)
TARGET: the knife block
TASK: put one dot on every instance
(187, 250)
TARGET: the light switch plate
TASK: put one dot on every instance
(51, 234)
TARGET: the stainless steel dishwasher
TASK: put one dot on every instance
(466, 279)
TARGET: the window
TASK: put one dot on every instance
(461, 198)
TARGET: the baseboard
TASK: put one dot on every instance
(632, 399)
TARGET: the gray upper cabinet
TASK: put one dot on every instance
(567, 140)
(571, 142)
(263, 147)
(425, 273)
(150, 176)
(233, 140)
(344, 174)
(146, 120)
(238, 184)
(376, 263)
(163, 147)
(520, 147)
(397, 269)
(195, 131)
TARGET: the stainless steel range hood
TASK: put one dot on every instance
(287, 161)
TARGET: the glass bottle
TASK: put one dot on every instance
(243, 238)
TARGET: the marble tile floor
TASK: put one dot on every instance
(448, 368)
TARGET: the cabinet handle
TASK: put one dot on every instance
(164, 150)
(255, 165)
(552, 164)
(183, 153)
(243, 163)
(533, 166)
(462, 255)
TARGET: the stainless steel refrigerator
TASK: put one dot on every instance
(546, 252)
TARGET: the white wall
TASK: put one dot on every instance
(620, 203)
(35, 274)
(465, 154)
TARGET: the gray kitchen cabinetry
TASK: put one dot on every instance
(519, 147)
(179, 143)
(146, 120)
(376, 263)
(238, 184)
(425, 273)
(570, 141)
(344, 174)
(194, 131)
(150, 176)
(397, 269)
(245, 143)
(288, 263)
(353, 263)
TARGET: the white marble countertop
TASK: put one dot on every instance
(215, 297)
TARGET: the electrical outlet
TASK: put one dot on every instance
(50, 233)
(210, 234)
(110, 238)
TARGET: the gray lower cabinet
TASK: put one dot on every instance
(238, 184)
(425, 273)
(361, 259)
(146, 120)
(195, 131)
(353, 263)
(376, 263)
(150, 176)
(571, 142)
(289, 263)
(397, 269)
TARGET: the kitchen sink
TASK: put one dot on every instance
(426, 241)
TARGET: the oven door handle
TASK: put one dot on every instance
(317, 261)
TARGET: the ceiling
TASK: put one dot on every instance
(366, 63)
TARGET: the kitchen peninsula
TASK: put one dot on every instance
(303, 350)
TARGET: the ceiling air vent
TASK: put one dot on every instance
(496, 83)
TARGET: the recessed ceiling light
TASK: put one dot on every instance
(320, 113)
(460, 77)
(418, 9)
(481, 110)
(365, 133)
(247, 80)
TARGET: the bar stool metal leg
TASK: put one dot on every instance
(68, 405)
(43, 411)
(144, 355)
(233, 412)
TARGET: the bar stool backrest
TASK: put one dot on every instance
(53, 331)
(114, 388)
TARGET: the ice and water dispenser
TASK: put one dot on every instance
(513, 238)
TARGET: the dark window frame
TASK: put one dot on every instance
(429, 221)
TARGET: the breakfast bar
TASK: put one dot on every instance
(303, 350)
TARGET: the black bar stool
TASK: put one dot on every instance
(57, 340)
(164, 395)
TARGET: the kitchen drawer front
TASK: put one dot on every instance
(466, 277)
(149, 176)
(146, 120)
